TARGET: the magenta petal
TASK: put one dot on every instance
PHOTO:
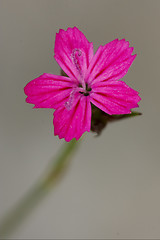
(114, 97)
(48, 91)
(111, 62)
(73, 52)
(73, 123)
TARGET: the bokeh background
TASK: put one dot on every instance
(112, 187)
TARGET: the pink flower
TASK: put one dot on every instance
(92, 78)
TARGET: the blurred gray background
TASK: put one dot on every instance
(112, 187)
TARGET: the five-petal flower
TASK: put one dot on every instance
(92, 78)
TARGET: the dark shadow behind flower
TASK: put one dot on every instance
(101, 119)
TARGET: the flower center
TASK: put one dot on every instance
(85, 91)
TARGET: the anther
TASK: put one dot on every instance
(76, 53)
(77, 58)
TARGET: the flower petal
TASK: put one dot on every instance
(114, 97)
(73, 123)
(73, 52)
(111, 62)
(49, 91)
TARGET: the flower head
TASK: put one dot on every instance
(91, 78)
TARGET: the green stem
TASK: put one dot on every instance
(38, 191)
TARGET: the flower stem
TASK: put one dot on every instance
(39, 190)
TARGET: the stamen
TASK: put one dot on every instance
(76, 54)
(75, 60)
(69, 103)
